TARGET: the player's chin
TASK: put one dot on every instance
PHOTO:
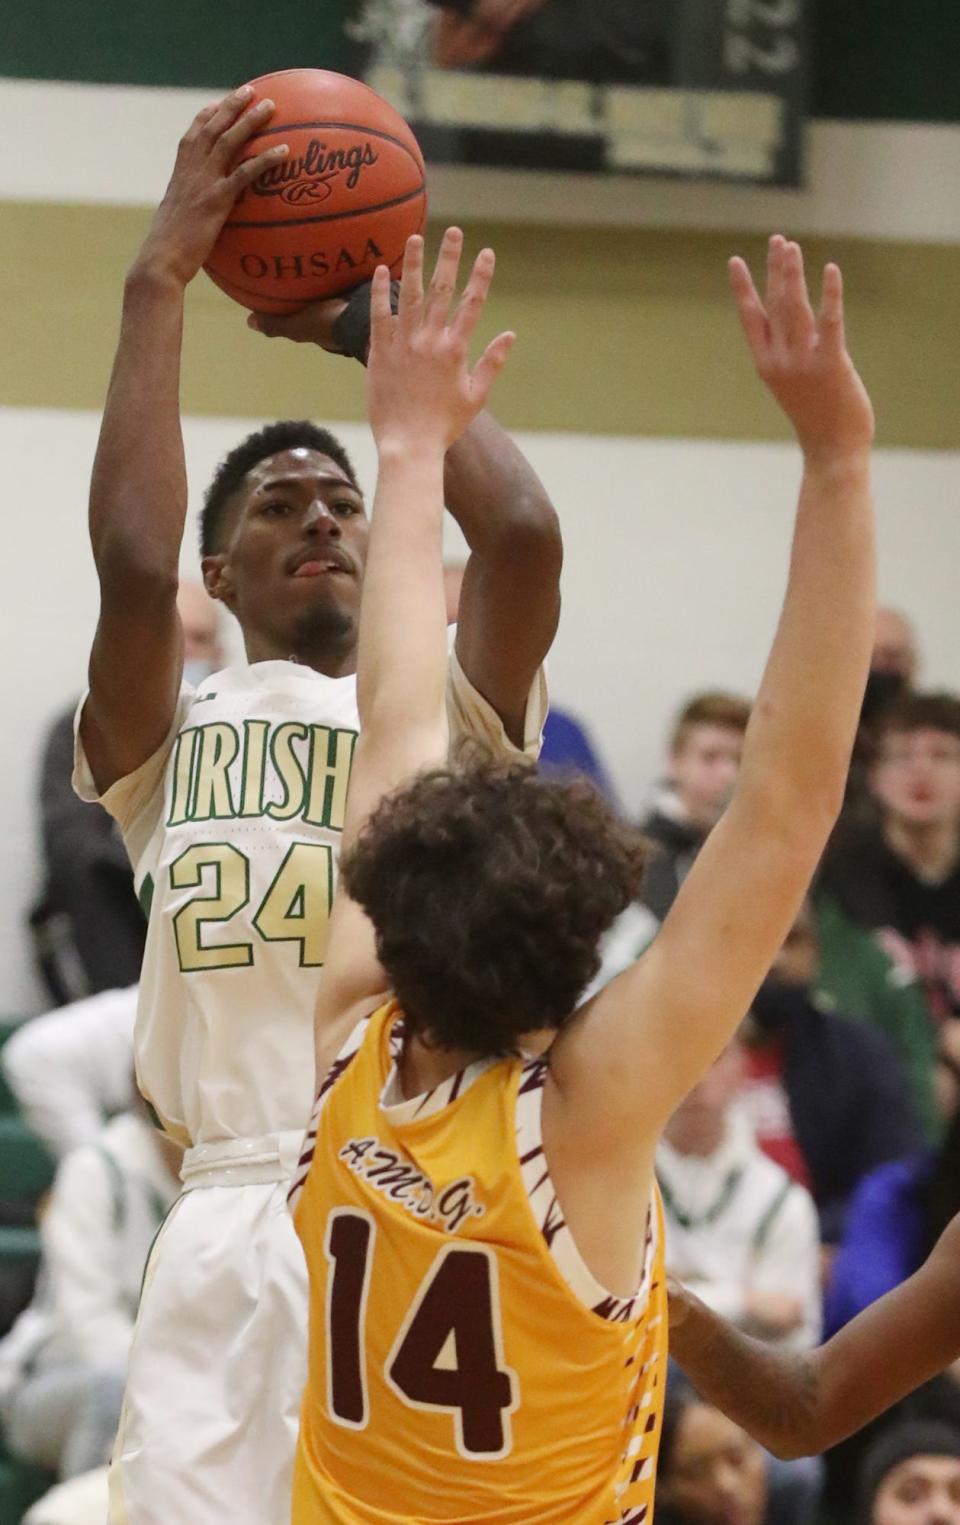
(325, 610)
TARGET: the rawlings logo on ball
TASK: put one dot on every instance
(310, 176)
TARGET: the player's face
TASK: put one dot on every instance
(293, 565)
(916, 777)
(704, 770)
(717, 1474)
(924, 1490)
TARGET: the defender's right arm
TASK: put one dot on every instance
(645, 1040)
(799, 1404)
(138, 495)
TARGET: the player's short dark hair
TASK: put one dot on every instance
(715, 707)
(489, 889)
(287, 434)
(936, 711)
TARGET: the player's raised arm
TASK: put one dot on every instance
(510, 599)
(653, 1032)
(421, 395)
(799, 1403)
(138, 496)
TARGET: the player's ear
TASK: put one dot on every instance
(217, 579)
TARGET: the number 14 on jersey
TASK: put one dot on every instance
(448, 1352)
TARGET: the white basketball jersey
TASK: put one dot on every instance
(233, 829)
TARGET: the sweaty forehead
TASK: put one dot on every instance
(301, 462)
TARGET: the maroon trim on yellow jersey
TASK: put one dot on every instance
(349, 1052)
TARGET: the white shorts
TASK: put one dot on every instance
(218, 1362)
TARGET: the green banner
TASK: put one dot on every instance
(883, 61)
(170, 42)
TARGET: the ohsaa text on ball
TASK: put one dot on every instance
(282, 267)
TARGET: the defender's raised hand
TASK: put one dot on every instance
(206, 181)
(419, 382)
(802, 356)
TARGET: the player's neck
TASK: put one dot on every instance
(333, 655)
(421, 1068)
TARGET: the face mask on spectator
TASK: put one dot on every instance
(195, 669)
(882, 688)
(778, 1002)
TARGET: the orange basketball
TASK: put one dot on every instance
(345, 199)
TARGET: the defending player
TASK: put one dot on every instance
(481, 1227)
(799, 1403)
(231, 802)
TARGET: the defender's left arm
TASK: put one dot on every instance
(510, 601)
(421, 395)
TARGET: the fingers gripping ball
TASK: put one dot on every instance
(344, 199)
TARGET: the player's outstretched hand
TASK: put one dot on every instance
(801, 355)
(419, 382)
(206, 181)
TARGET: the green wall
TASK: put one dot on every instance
(620, 331)
(169, 42)
(879, 59)
(896, 60)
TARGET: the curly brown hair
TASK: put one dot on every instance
(489, 889)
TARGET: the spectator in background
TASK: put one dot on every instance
(704, 759)
(567, 747)
(88, 927)
(62, 1366)
(899, 1210)
(827, 1096)
(858, 977)
(893, 672)
(899, 881)
(740, 1232)
(911, 1476)
(705, 748)
(710, 1471)
(895, 660)
(72, 1069)
(82, 1500)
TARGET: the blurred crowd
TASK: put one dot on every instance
(808, 1173)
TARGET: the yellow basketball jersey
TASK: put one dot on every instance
(454, 1375)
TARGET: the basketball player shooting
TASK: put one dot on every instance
(477, 1199)
(231, 802)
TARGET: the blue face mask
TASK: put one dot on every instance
(195, 670)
